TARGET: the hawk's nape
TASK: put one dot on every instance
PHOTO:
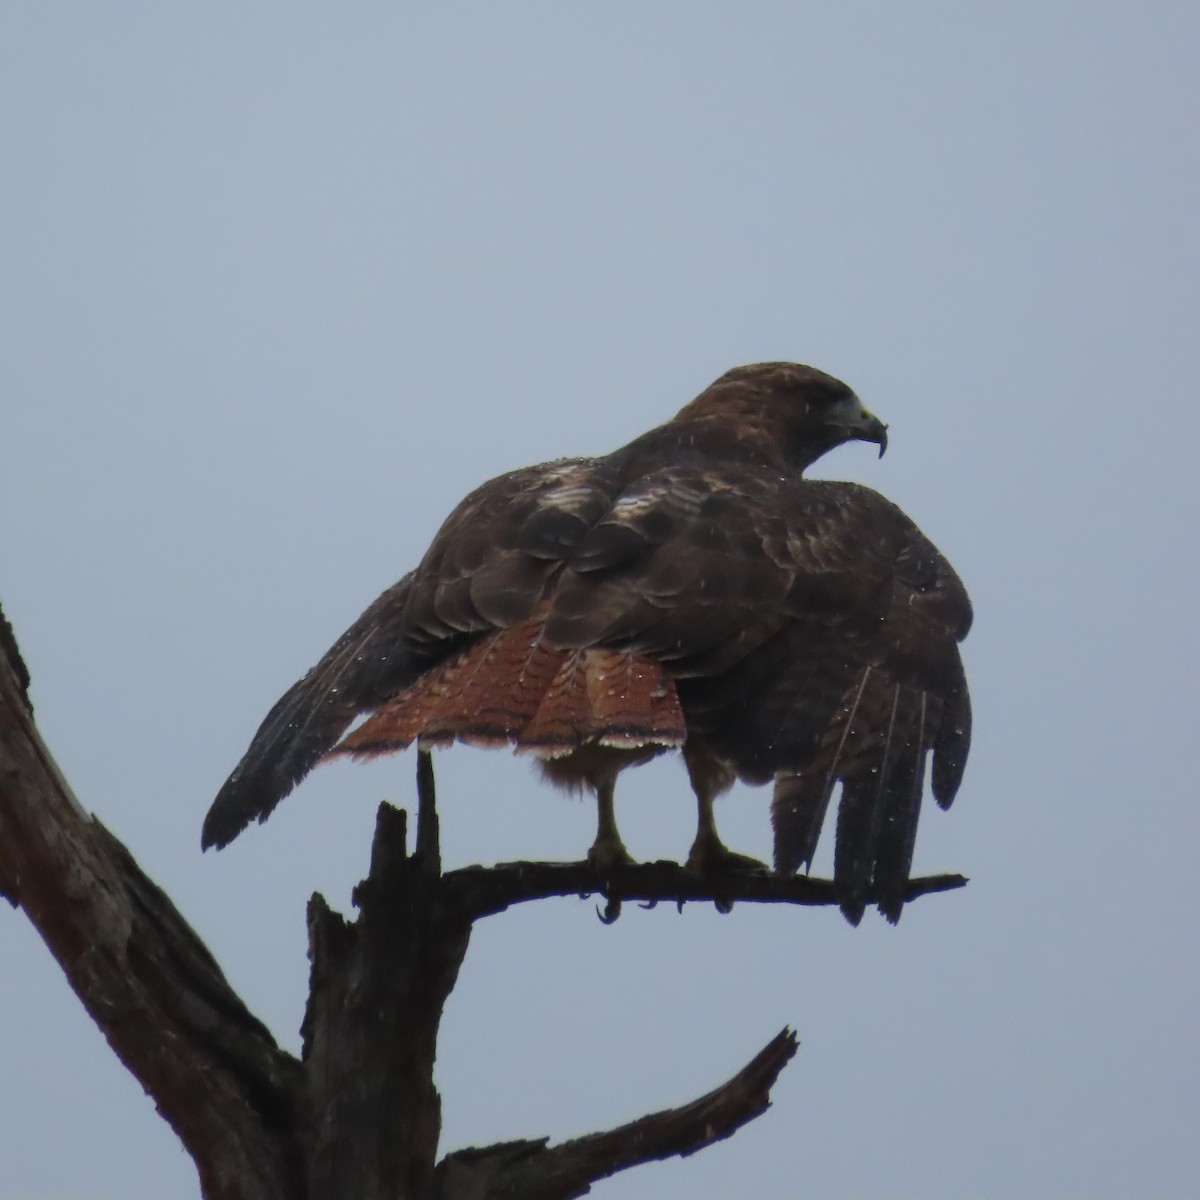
(690, 589)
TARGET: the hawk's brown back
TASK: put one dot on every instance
(688, 585)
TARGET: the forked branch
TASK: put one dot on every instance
(358, 1116)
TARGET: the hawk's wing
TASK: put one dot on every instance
(810, 630)
(487, 567)
(360, 669)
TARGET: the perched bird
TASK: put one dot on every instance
(690, 590)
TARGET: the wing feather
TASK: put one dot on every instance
(808, 630)
(367, 663)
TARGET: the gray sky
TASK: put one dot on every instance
(282, 282)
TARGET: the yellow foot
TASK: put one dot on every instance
(608, 855)
(710, 856)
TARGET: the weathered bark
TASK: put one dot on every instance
(358, 1117)
(370, 1033)
(534, 1171)
(482, 891)
(147, 980)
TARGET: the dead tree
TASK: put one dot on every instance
(357, 1116)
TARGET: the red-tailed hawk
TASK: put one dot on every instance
(691, 590)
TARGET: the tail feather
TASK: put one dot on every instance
(562, 717)
(611, 697)
(514, 688)
(485, 696)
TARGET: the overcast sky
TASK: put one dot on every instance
(282, 282)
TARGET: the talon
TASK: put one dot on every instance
(649, 904)
(612, 910)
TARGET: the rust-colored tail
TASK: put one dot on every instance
(513, 688)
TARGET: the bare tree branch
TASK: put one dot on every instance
(482, 891)
(142, 973)
(428, 847)
(533, 1170)
(370, 1032)
(358, 1117)
(14, 662)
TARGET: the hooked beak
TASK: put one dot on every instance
(867, 427)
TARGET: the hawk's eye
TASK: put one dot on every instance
(832, 399)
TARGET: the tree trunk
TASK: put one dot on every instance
(358, 1116)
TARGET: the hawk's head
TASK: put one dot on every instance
(787, 410)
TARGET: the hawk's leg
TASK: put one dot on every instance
(708, 853)
(608, 851)
(710, 777)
